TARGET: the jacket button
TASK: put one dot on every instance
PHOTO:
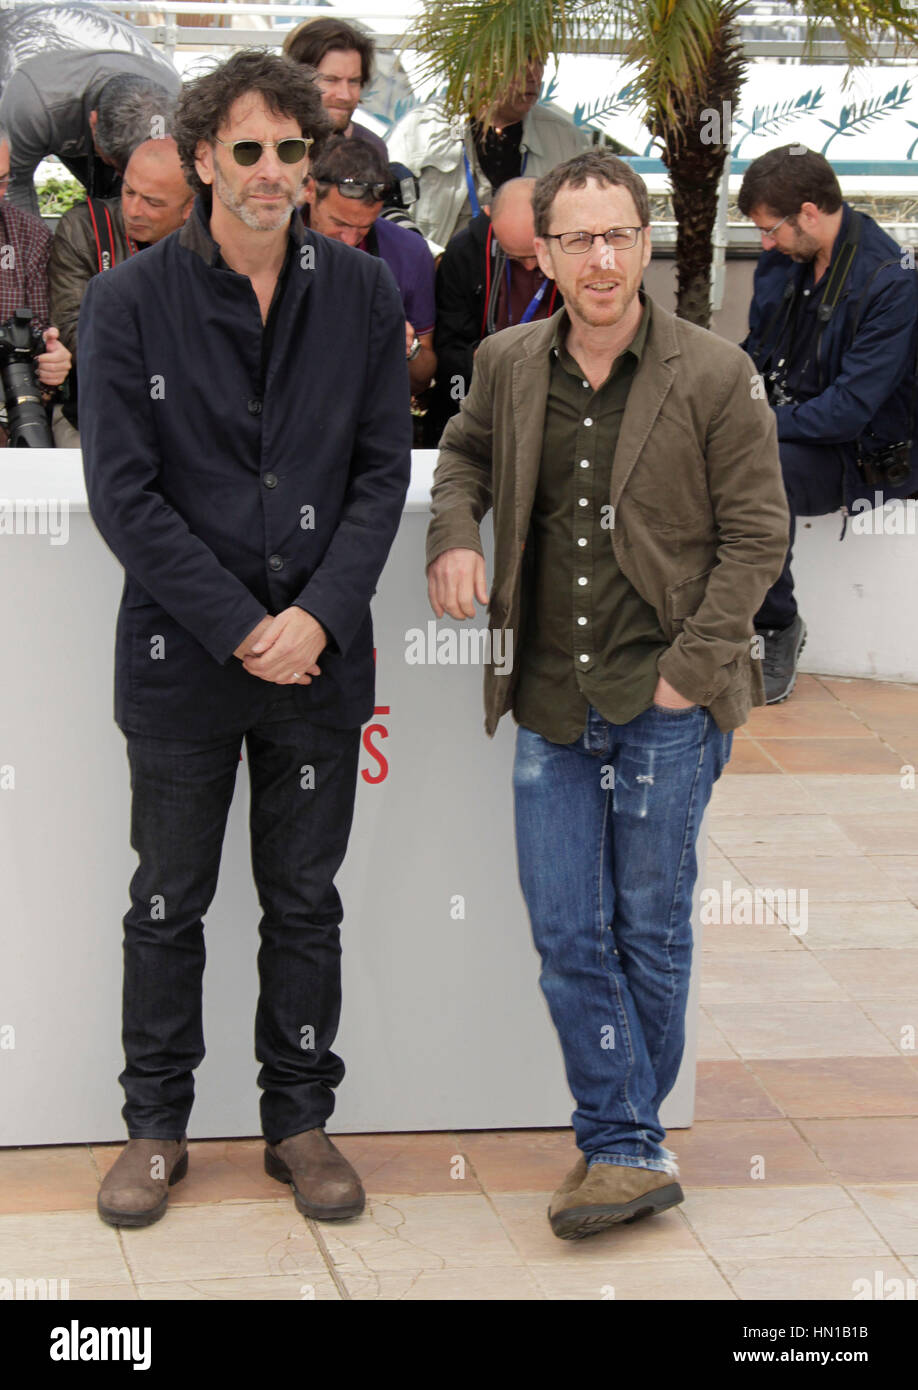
(275, 562)
(270, 480)
(254, 406)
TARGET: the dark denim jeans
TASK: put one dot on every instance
(814, 482)
(181, 797)
(606, 829)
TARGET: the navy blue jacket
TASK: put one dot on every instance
(227, 497)
(867, 376)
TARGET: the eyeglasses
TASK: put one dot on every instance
(771, 231)
(4, 180)
(578, 243)
(249, 152)
(355, 188)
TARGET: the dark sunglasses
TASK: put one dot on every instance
(355, 188)
(249, 152)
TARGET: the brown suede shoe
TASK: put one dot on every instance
(324, 1184)
(611, 1194)
(135, 1191)
(573, 1180)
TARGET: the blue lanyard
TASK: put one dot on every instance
(533, 304)
(470, 185)
(470, 182)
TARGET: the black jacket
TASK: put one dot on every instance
(866, 357)
(228, 495)
(466, 305)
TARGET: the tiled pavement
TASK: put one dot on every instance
(800, 1171)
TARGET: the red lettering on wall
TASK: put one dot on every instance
(380, 731)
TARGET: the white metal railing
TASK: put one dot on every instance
(391, 25)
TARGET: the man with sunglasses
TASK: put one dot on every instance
(639, 518)
(833, 329)
(343, 200)
(247, 454)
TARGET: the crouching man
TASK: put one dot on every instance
(639, 518)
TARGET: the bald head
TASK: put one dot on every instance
(155, 197)
(513, 222)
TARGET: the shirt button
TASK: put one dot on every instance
(584, 463)
(582, 540)
(583, 579)
(254, 406)
(587, 385)
(275, 562)
(581, 622)
(584, 658)
(584, 502)
(270, 480)
(588, 421)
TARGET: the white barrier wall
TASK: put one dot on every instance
(443, 1023)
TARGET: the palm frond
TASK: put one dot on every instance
(478, 45)
(861, 24)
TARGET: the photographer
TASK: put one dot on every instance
(833, 328)
(25, 245)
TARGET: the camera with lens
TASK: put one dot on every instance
(27, 419)
(886, 467)
(776, 388)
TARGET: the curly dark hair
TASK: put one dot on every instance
(606, 168)
(288, 89)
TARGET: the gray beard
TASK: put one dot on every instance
(249, 216)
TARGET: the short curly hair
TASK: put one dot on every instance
(600, 165)
(287, 87)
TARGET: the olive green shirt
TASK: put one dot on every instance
(589, 639)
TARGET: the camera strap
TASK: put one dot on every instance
(789, 306)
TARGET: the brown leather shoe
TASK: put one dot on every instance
(324, 1184)
(611, 1194)
(130, 1194)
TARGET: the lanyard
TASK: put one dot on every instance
(470, 182)
(470, 185)
(533, 304)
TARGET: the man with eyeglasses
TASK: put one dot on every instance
(343, 200)
(833, 330)
(487, 279)
(247, 454)
(342, 57)
(639, 518)
(25, 245)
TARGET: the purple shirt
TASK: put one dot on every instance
(408, 257)
(369, 137)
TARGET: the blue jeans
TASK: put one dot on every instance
(605, 830)
(181, 798)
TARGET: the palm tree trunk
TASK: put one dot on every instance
(695, 147)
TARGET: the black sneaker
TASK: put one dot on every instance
(782, 648)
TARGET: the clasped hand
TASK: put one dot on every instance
(284, 649)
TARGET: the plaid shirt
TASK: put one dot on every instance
(25, 245)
